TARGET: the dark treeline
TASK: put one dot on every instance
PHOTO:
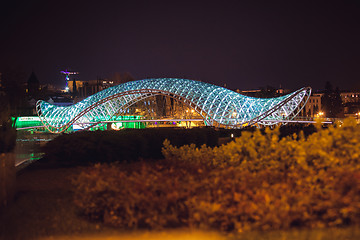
(82, 148)
(285, 130)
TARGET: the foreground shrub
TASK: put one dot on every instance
(151, 196)
(335, 146)
(259, 181)
(235, 200)
(156, 196)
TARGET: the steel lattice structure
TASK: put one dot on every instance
(218, 106)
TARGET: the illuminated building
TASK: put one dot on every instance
(313, 105)
(351, 103)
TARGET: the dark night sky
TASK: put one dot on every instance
(245, 44)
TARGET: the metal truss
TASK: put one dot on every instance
(218, 106)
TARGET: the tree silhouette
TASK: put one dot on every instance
(33, 86)
(74, 93)
(11, 83)
(331, 101)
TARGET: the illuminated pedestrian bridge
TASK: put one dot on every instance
(216, 105)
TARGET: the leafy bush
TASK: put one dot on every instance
(335, 146)
(151, 196)
(233, 200)
(259, 181)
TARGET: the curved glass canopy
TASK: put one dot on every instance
(218, 106)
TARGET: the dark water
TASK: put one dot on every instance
(28, 145)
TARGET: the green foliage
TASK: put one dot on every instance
(258, 181)
(125, 146)
(142, 198)
(335, 146)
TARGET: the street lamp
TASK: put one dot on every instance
(357, 115)
(320, 114)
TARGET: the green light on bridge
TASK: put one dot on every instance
(34, 121)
